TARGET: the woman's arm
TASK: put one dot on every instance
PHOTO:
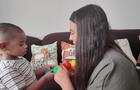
(63, 79)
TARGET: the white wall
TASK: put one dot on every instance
(41, 17)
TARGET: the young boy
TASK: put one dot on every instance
(15, 71)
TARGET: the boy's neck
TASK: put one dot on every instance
(8, 57)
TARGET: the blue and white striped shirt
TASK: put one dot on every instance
(15, 74)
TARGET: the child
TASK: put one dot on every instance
(15, 71)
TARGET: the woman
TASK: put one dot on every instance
(101, 64)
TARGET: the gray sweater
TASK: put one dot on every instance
(114, 72)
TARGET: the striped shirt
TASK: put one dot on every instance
(15, 74)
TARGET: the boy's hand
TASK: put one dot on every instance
(41, 71)
(49, 75)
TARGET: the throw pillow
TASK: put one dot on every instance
(125, 46)
(68, 51)
(44, 55)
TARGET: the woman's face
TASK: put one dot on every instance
(73, 32)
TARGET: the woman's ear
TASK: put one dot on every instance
(2, 45)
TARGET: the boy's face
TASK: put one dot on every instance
(17, 46)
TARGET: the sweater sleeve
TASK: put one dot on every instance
(98, 77)
(122, 78)
(115, 77)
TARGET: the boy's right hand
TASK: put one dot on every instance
(41, 71)
(49, 75)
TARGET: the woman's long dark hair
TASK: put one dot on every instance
(93, 40)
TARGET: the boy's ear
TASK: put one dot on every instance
(2, 45)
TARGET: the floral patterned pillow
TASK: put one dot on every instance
(68, 51)
(44, 55)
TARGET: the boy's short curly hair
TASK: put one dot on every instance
(8, 30)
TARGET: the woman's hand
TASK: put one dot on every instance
(63, 79)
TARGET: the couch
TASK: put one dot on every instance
(130, 34)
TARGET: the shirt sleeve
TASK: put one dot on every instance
(12, 79)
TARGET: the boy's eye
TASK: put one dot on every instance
(21, 44)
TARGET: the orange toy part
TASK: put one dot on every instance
(67, 65)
